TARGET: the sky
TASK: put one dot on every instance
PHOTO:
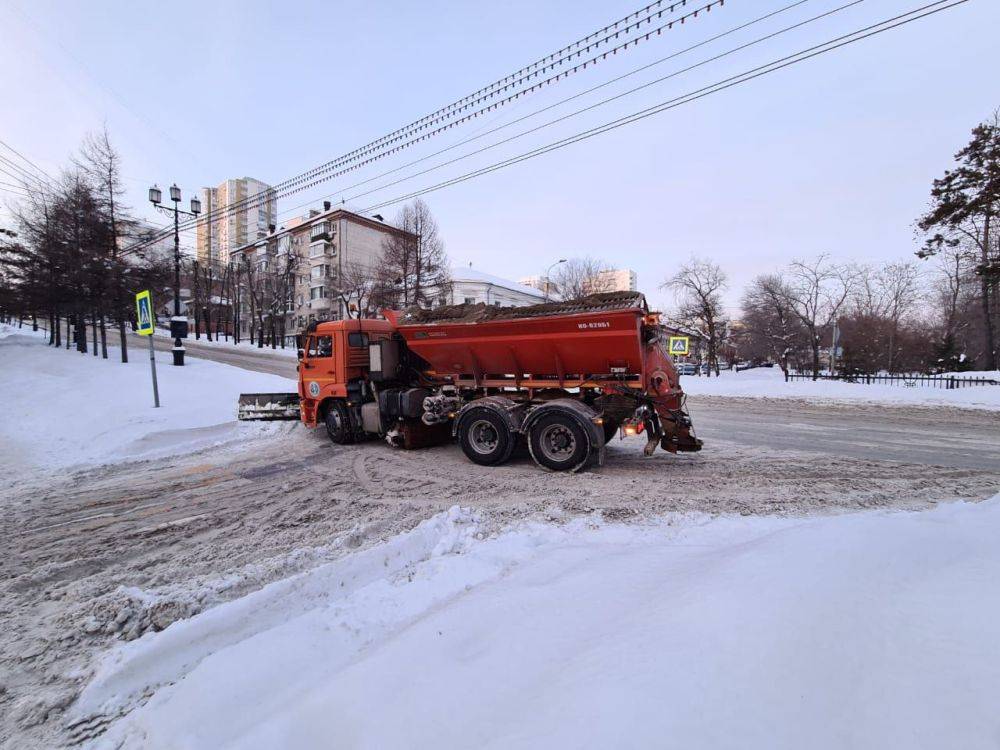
(835, 155)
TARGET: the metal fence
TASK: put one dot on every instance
(949, 382)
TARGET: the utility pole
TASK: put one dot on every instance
(178, 323)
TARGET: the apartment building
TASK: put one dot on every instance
(320, 246)
(544, 284)
(218, 237)
(615, 280)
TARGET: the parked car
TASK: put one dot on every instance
(687, 368)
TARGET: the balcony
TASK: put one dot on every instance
(318, 249)
(320, 231)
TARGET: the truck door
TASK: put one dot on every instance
(319, 367)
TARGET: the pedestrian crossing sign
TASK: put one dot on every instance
(679, 345)
(144, 313)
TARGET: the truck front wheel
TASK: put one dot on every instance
(485, 437)
(558, 442)
(338, 424)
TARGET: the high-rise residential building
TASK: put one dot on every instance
(255, 214)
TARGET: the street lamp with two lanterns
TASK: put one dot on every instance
(178, 323)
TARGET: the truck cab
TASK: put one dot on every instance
(333, 364)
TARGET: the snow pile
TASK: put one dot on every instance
(768, 382)
(62, 408)
(866, 630)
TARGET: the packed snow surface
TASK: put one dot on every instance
(870, 630)
(63, 408)
(768, 382)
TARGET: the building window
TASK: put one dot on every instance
(318, 292)
(317, 249)
(470, 300)
(317, 272)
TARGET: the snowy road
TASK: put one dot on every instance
(117, 551)
(930, 436)
(97, 555)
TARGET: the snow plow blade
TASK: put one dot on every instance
(268, 406)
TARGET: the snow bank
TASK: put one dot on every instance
(768, 382)
(62, 408)
(866, 630)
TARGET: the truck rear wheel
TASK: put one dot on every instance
(485, 437)
(338, 424)
(558, 442)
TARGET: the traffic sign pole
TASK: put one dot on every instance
(144, 316)
(152, 367)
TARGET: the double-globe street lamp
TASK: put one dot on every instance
(178, 324)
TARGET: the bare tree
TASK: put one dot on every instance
(817, 291)
(579, 277)
(881, 297)
(415, 260)
(364, 290)
(769, 319)
(698, 286)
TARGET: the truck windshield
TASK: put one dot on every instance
(320, 346)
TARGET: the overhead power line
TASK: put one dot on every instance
(295, 184)
(616, 79)
(727, 83)
(25, 159)
(605, 101)
(19, 173)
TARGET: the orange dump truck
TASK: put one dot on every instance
(564, 378)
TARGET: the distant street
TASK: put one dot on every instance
(258, 360)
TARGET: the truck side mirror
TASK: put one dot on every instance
(302, 353)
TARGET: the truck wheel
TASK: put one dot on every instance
(485, 438)
(338, 424)
(558, 442)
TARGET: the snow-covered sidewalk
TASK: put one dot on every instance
(869, 630)
(768, 382)
(62, 408)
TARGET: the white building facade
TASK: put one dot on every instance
(471, 286)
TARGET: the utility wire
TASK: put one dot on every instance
(25, 159)
(288, 187)
(590, 90)
(20, 172)
(608, 100)
(746, 76)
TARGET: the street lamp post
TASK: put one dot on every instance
(545, 279)
(178, 324)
